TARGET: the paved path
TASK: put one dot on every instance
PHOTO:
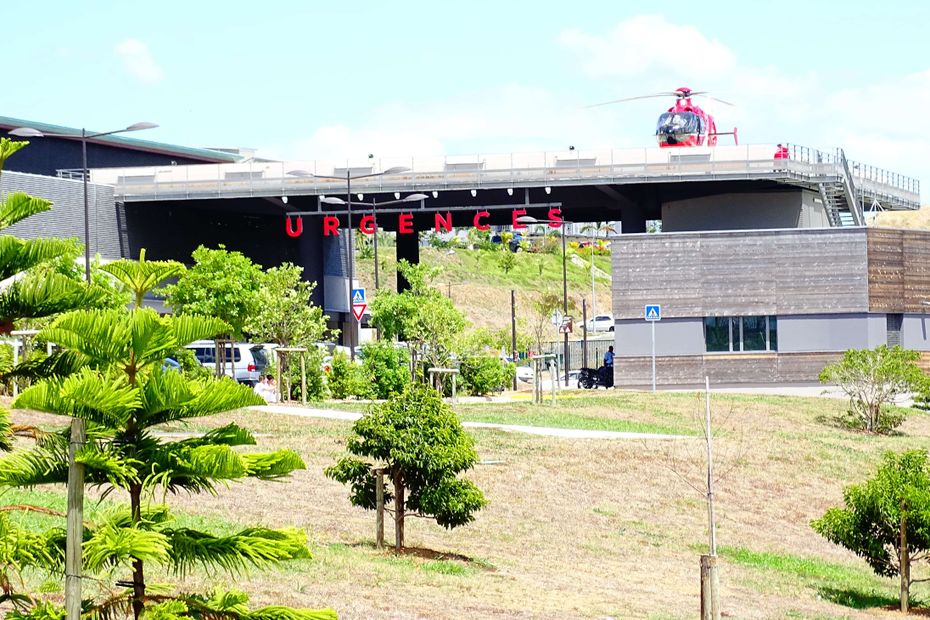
(567, 433)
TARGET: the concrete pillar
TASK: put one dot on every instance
(408, 248)
(633, 218)
(310, 256)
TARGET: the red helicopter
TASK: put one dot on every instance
(684, 124)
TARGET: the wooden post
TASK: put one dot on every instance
(710, 585)
(905, 561)
(75, 522)
(379, 508)
(303, 378)
(710, 581)
(454, 399)
(513, 333)
(277, 372)
(399, 508)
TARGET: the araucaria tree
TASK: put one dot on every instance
(886, 520)
(872, 378)
(420, 444)
(31, 289)
(118, 385)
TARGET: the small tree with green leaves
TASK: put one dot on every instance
(886, 520)
(420, 443)
(220, 284)
(387, 367)
(872, 378)
(113, 379)
(284, 314)
(421, 315)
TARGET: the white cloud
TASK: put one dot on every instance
(138, 61)
(872, 122)
(649, 43)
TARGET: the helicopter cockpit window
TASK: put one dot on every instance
(679, 122)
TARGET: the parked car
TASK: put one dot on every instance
(601, 323)
(524, 373)
(248, 360)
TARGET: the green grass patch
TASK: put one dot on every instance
(560, 419)
(849, 586)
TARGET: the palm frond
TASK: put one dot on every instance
(58, 364)
(271, 465)
(106, 461)
(109, 546)
(142, 276)
(100, 335)
(18, 255)
(104, 399)
(20, 205)
(209, 397)
(40, 465)
(255, 547)
(39, 295)
(8, 146)
(233, 605)
(6, 431)
(190, 327)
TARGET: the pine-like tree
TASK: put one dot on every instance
(113, 377)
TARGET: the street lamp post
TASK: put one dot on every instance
(529, 219)
(75, 510)
(348, 202)
(29, 132)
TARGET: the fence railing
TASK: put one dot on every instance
(259, 178)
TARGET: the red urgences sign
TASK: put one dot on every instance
(442, 222)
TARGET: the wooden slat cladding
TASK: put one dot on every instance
(899, 270)
(886, 270)
(734, 369)
(742, 273)
(916, 244)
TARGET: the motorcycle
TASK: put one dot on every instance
(589, 378)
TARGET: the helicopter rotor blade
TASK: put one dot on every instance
(665, 94)
(704, 94)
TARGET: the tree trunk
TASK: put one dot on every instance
(905, 562)
(398, 511)
(138, 574)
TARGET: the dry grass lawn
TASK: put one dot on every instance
(583, 528)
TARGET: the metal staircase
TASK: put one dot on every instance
(839, 197)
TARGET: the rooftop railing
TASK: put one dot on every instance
(257, 178)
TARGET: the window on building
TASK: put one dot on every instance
(893, 324)
(717, 333)
(740, 333)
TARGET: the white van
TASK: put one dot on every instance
(248, 360)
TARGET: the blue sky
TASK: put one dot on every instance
(324, 80)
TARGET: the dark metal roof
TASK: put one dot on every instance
(206, 155)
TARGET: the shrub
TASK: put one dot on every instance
(191, 367)
(484, 375)
(421, 444)
(886, 520)
(387, 367)
(872, 378)
(347, 379)
(316, 385)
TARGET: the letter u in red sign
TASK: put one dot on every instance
(291, 232)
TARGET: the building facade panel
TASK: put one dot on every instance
(66, 217)
(675, 337)
(829, 332)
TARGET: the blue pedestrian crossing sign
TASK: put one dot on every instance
(358, 296)
(653, 312)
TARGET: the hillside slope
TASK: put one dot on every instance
(904, 219)
(479, 286)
